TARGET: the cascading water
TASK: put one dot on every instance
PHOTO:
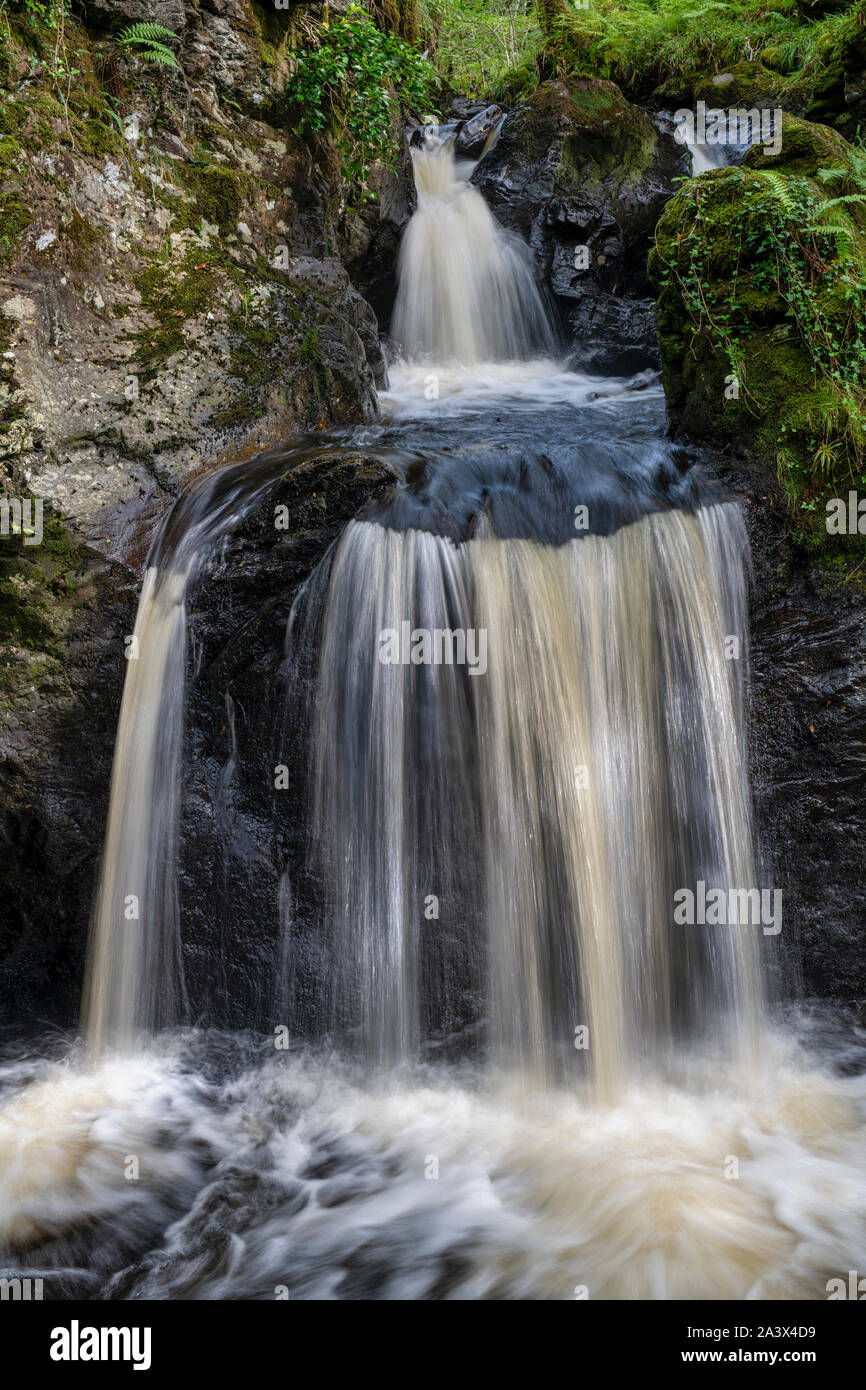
(521, 684)
(135, 983)
(466, 293)
(135, 973)
(557, 787)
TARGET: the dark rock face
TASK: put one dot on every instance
(56, 744)
(370, 239)
(807, 735)
(582, 176)
(243, 838)
(170, 13)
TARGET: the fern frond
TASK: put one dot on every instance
(843, 200)
(835, 229)
(158, 53)
(144, 32)
(780, 187)
(146, 38)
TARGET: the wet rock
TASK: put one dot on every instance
(474, 135)
(807, 730)
(239, 835)
(582, 176)
(60, 699)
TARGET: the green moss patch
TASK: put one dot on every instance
(761, 295)
(34, 581)
(218, 194)
(173, 295)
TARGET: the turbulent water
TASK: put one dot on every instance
(500, 1067)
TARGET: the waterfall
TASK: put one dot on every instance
(135, 975)
(500, 842)
(503, 807)
(549, 800)
(705, 157)
(134, 980)
(466, 289)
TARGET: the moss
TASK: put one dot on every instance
(33, 580)
(63, 553)
(13, 117)
(11, 153)
(14, 219)
(97, 139)
(517, 83)
(255, 354)
(311, 348)
(805, 148)
(274, 30)
(761, 348)
(83, 238)
(173, 295)
(36, 121)
(218, 193)
(602, 133)
(745, 84)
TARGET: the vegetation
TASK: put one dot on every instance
(500, 47)
(342, 87)
(645, 42)
(478, 45)
(47, 21)
(761, 274)
(147, 41)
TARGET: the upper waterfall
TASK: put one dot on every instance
(466, 289)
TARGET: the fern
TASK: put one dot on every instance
(144, 32)
(845, 200)
(840, 234)
(146, 38)
(780, 188)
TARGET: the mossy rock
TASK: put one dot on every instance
(600, 133)
(746, 84)
(749, 343)
(218, 193)
(838, 86)
(805, 148)
(11, 155)
(35, 580)
(15, 218)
